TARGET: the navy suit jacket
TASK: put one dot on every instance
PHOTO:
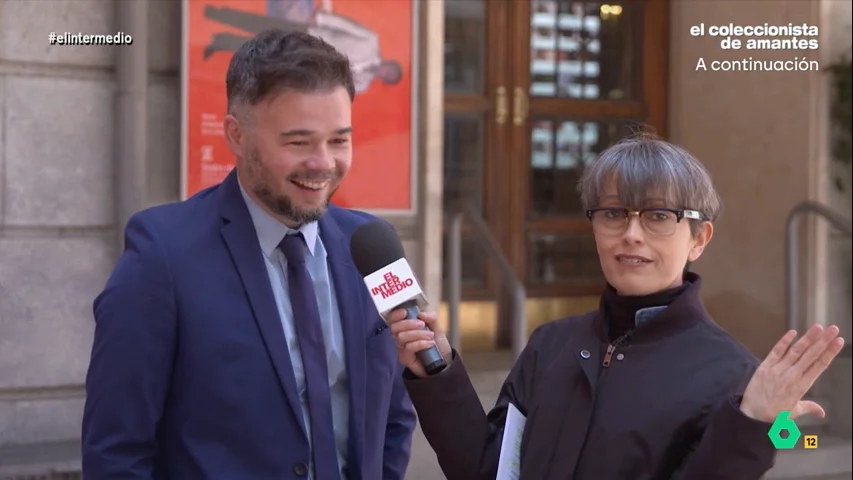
(190, 376)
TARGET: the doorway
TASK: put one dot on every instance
(534, 89)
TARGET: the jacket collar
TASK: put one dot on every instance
(658, 323)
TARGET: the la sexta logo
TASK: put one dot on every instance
(392, 284)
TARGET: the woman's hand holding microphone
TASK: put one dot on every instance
(414, 335)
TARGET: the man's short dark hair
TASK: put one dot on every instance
(278, 60)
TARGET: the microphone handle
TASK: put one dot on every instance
(430, 358)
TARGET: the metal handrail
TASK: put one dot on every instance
(792, 236)
(467, 211)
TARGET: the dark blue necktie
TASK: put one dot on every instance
(306, 317)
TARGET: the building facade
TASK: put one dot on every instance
(514, 97)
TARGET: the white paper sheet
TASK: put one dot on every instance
(509, 463)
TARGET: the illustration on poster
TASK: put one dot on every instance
(360, 44)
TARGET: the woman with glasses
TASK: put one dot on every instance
(646, 387)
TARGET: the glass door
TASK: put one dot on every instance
(586, 74)
(476, 123)
(534, 89)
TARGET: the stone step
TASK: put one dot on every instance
(44, 461)
(831, 459)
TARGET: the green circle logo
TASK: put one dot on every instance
(781, 423)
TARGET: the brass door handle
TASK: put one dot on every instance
(520, 107)
(501, 107)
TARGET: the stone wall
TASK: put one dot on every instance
(763, 136)
(56, 215)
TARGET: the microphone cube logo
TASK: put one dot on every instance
(392, 285)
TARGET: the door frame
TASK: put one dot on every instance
(506, 143)
(492, 105)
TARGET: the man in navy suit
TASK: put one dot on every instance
(235, 339)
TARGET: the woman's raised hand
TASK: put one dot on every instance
(784, 377)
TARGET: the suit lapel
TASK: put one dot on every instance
(242, 242)
(347, 282)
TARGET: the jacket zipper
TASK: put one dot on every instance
(611, 347)
(608, 355)
(605, 363)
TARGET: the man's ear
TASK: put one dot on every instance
(235, 135)
(700, 241)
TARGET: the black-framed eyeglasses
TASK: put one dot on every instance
(655, 221)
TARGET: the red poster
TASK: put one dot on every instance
(377, 35)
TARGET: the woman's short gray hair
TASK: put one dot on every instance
(645, 166)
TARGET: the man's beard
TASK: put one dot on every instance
(280, 203)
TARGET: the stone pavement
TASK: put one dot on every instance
(423, 465)
(487, 371)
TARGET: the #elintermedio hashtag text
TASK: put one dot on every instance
(86, 39)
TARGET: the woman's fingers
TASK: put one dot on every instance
(429, 318)
(778, 352)
(799, 347)
(412, 332)
(814, 352)
(807, 407)
(415, 347)
(405, 326)
(409, 336)
(819, 365)
(397, 315)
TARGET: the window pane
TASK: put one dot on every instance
(585, 50)
(560, 150)
(463, 159)
(464, 46)
(556, 258)
(463, 180)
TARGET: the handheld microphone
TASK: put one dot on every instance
(378, 255)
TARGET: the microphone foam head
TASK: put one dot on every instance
(373, 246)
